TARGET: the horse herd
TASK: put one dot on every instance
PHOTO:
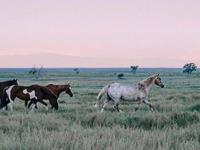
(33, 94)
(115, 92)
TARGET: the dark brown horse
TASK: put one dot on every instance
(57, 90)
(33, 93)
(8, 83)
(5, 84)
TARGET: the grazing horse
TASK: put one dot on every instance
(57, 90)
(34, 93)
(135, 92)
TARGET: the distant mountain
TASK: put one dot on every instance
(55, 60)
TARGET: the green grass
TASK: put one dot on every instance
(77, 125)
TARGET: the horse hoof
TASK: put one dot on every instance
(95, 106)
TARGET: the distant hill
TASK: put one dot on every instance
(57, 60)
(48, 60)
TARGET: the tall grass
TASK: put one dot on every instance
(78, 125)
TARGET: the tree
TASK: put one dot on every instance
(134, 68)
(37, 72)
(33, 71)
(120, 76)
(76, 70)
(189, 68)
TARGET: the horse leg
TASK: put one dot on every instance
(10, 106)
(33, 102)
(105, 103)
(138, 105)
(54, 103)
(149, 104)
(7, 107)
(116, 106)
(26, 103)
(44, 103)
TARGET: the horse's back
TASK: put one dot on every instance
(123, 91)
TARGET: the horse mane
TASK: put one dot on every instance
(56, 89)
(8, 81)
(147, 81)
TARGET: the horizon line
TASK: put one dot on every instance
(90, 67)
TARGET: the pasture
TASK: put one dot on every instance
(175, 124)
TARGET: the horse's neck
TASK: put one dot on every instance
(10, 83)
(60, 90)
(148, 83)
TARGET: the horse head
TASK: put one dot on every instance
(158, 81)
(68, 90)
(15, 82)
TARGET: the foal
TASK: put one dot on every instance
(34, 93)
(137, 92)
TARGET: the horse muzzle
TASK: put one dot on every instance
(162, 86)
(71, 94)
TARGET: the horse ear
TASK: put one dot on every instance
(141, 83)
(156, 75)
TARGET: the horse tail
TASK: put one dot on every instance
(103, 91)
(4, 98)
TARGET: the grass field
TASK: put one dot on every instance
(76, 125)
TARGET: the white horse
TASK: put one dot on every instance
(136, 92)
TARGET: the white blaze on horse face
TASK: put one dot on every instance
(31, 94)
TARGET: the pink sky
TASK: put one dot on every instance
(150, 33)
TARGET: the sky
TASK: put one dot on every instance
(100, 33)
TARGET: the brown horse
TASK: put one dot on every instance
(57, 90)
(33, 93)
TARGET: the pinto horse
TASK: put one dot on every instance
(136, 92)
(33, 93)
(5, 84)
(57, 90)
